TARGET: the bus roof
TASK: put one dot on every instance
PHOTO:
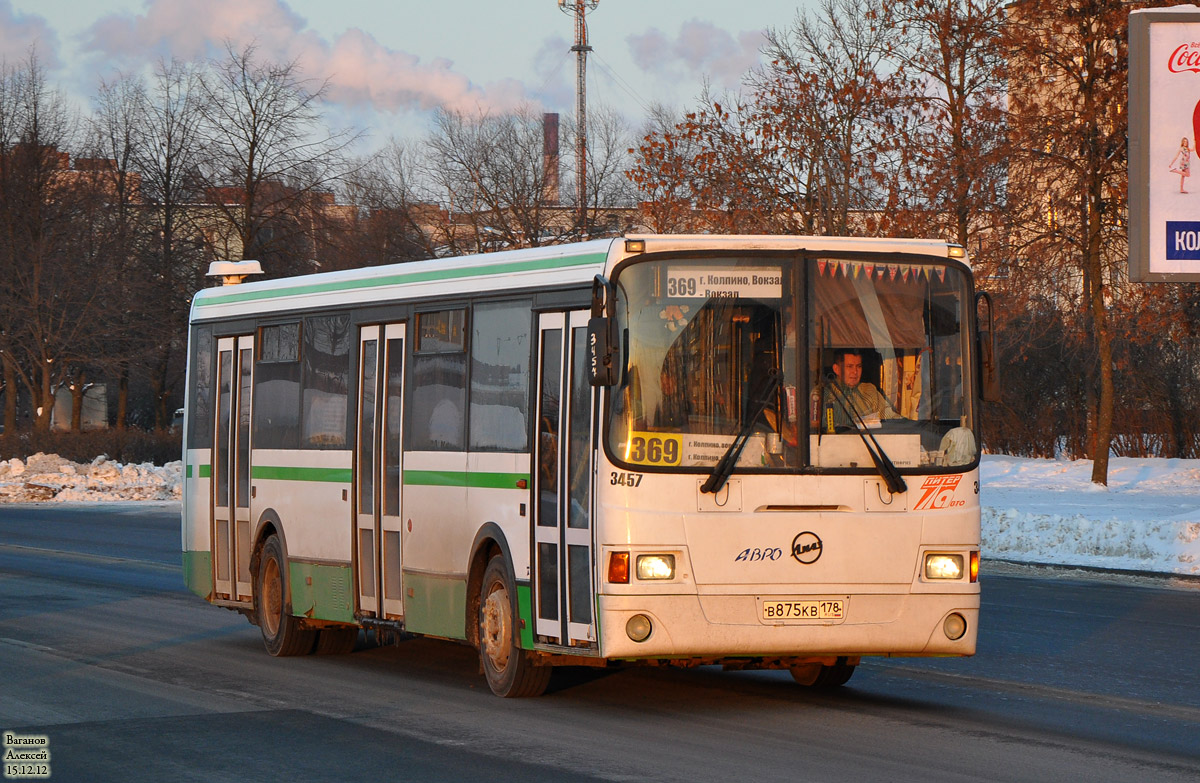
(509, 270)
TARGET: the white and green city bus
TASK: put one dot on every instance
(644, 449)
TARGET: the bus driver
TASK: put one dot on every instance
(867, 401)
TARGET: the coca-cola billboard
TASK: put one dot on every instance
(1164, 125)
(1186, 57)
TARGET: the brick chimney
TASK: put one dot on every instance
(550, 158)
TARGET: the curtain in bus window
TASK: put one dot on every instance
(863, 310)
(500, 350)
(326, 381)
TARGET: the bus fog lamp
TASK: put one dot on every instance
(943, 566)
(955, 626)
(656, 567)
(638, 627)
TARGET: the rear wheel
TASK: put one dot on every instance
(816, 675)
(281, 632)
(510, 670)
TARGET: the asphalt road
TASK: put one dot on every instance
(130, 678)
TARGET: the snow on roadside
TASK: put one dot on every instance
(1034, 510)
(1049, 511)
(49, 477)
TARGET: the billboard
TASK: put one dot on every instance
(1164, 125)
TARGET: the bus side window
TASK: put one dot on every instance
(200, 419)
(439, 382)
(326, 381)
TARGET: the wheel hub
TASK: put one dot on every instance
(497, 628)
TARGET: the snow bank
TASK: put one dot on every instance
(1049, 511)
(49, 477)
(1034, 510)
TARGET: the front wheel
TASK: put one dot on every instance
(816, 675)
(509, 670)
(281, 632)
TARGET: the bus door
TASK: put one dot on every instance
(377, 470)
(231, 468)
(562, 500)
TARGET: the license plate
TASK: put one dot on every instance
(782, 611)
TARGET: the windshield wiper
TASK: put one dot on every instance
(729, 459)
(887, 469)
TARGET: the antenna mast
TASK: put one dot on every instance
(579, 9)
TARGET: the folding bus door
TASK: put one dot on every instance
(563, 588)
(231, 468)
(377, 470)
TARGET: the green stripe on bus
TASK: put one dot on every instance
(202, 471)
(197, 572)
(525, 613)
(402, 278)
(458, 478)
(280, 473)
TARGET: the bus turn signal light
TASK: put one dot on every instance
(618, 568)
(975, 566)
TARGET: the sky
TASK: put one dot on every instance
(391, 63)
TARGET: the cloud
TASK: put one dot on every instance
(361, 71)
(699, 49)
(20, 33)
(554, 62)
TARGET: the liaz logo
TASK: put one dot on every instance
(806, 547)
(938, 492)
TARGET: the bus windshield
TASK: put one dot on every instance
(811, 355)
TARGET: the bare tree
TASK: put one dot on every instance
(269, 157)
(955, 51)
(489, 174)
(175, 258)
(662, 173)
(52, 251)
(835, 84)
(117, 137)
(609, 156)
(1068, 119)
(390, 223)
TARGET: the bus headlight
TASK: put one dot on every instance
(656, 566)
(943, 566)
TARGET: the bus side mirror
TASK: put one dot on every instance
(601, 337)
(985, 348)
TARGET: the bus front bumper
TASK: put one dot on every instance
(733, 626)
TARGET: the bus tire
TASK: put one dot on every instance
(281, 632)
(336, 641)
(510, 671)
(816, 675)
